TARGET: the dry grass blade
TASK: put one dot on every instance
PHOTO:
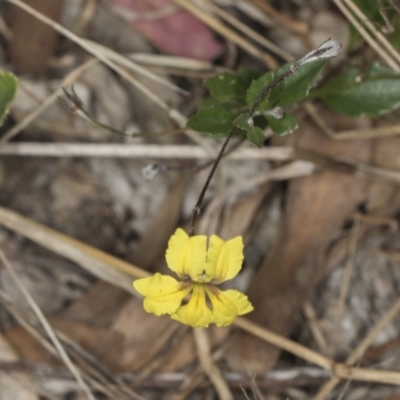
(369, 133)
(247, 31)
(207, 363)
(360, 349)
(283, 343)
(197, 376)
(68, 80)
(94, 377)
(379, 36)
(367, 375)
(223, 30)
(38, 312)
(299, 27)
(142, 151)
(128, 63)
(26, 322)
(153, 365)
(160, 60)
(315, 326)
(91, 258)
(86, 16)
(338, 369)
(172, 113)
(341, 303)
(367, 36)
(100, 264)
(380, 132)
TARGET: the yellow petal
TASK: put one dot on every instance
(195, 313)
(224, 259)
(240, 300)
(227, 305)
(163, 294)
(187, 255)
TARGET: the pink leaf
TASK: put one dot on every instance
(174, 31)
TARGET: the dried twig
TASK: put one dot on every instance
(360, 349)
(162, 357)
(141, 151)
(367, 36)
(366, 133)
(391, 51)
(68, 80)
(341, 303)
(247, 31)
(208, 365)
(94, 256)
(223, 30)
(172, 113)
(49, 330)
(299, 27)
(102, 265)
(99, 382)
(315, 326)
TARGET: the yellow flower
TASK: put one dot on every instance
(200, 270)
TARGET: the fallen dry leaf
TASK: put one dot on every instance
(14, 385)
(33, 42)
(316, 208)
(170, 28)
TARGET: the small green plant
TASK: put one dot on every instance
(8, 89)
(247, 105)
(244, 104)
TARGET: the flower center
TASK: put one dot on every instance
(202, 278)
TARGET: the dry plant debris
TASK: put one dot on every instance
(87, 205)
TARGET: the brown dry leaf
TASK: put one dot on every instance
(316, 208)
(99, 263)
(169, 28)
(153, 242)
(103, 301)
(99, 306)
(133, 341)
(17, 385)
(241, 214)
(147, 335)
(104, 344)
(33, 42)
(143, 335)
(186, 352)
(382, 199)
(14, 385)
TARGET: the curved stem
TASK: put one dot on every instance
(197, 208)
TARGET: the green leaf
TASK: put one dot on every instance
(256, 88)
(369, 7)
(242, 121)
(227, 88)
(208, 102)
(247, 75)
(256, 136)
(376, 94)
(297, 85)
(8, 89)
(213, 121)
(376, 70)
(287, 124)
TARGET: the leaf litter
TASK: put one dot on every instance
(297, 235)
